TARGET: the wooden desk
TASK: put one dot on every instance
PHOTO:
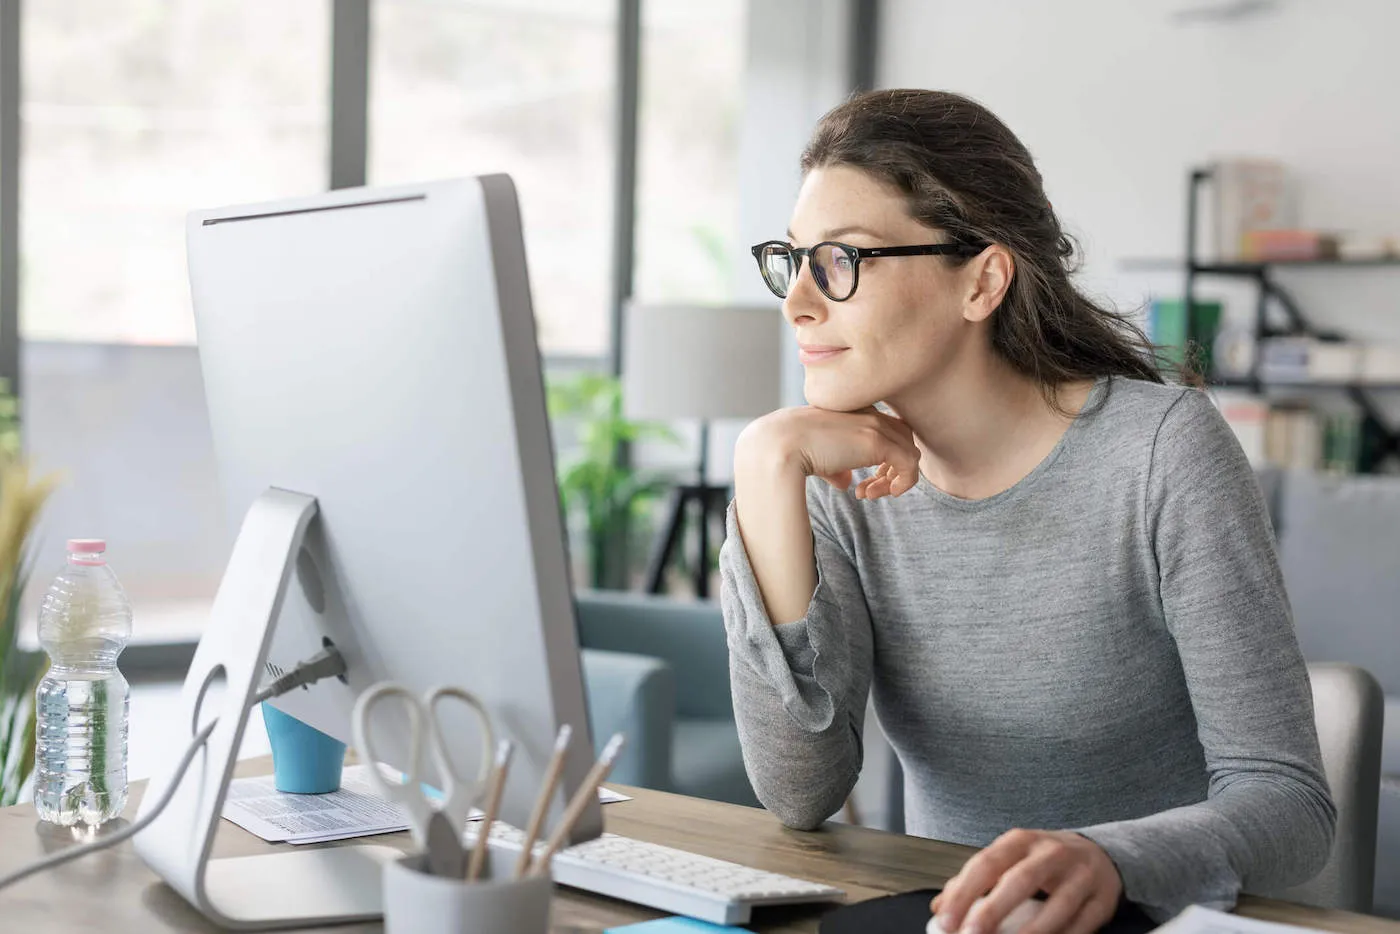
(113, 891)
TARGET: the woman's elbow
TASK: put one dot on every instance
(1319, 853)
(796, 815)
(796, 818)
(803, 809)
(1313, 839)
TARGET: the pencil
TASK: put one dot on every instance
(551, 779)
(493, 804)
(586, 791)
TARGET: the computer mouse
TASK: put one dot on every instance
(1019, 917)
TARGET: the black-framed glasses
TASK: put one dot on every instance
(836, 266)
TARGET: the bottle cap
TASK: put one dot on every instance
(87, 546)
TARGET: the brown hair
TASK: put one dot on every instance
(963, 171)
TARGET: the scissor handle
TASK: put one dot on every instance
(458, 795)
(409, 792)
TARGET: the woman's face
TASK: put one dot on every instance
(908, 319)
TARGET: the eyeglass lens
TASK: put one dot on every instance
(832, 267)
(777, 265)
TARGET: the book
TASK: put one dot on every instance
(1250, 194)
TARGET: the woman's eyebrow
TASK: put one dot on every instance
(841, 231)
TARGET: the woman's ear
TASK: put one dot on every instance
(988, 277)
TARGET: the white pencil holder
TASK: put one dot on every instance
(416, 902)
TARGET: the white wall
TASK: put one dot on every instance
(1117, 100)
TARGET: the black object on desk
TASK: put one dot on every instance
(908, 913)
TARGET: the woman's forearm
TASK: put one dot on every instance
(770, 498)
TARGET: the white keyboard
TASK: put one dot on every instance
(668, 879)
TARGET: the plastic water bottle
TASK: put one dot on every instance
(80, 754)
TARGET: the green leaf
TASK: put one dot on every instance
(594, 483)
(11, 752)
(17, 727)
(658, 432)
(17, 751)
(10, 655)
(20, 671)
(27, 750)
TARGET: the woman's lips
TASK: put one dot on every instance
(818, 353)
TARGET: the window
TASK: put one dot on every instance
(133, 113)
(137, 111)
(520, 86)
(688, 189)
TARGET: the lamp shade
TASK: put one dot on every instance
(693, 361)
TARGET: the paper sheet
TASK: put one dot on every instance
(356, 810)
(1198, 920)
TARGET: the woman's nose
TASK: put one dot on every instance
(804, 301)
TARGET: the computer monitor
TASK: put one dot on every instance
(375, 349)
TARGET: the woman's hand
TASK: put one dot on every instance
(1081, 881)
(831, 445)
(774, 457)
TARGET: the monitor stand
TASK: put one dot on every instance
(298, 888)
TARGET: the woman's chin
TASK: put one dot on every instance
(836, 398)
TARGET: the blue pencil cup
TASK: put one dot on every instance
(305, 761)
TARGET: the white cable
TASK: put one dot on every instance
(73, 853)
(325, 664)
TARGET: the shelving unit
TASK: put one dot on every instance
(1270, 291)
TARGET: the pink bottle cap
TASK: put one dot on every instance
(87, 546)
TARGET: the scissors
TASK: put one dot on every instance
(437, 830)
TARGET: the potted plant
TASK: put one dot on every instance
(22, 498)
(596, 483)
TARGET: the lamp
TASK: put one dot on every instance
(703, 362)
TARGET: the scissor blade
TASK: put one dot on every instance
(446, 855)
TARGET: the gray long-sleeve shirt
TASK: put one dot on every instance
(1106, 646)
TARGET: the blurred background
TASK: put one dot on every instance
(1228, 166)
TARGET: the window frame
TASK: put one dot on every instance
(347, 152)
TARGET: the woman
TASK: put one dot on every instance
(1053, 571)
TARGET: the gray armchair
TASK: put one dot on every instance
(634, 695)
(1347, 704)
(656, 662)
(1339, 546)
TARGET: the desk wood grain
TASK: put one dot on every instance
(113, 891)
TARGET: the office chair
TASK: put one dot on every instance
(1349, 707)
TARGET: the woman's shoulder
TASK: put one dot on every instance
(1171, 423)
(1144, 410)
(1139, 398)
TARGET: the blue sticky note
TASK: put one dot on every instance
(673, 926)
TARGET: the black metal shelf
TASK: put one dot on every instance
(1387, 439)
(1266, 383)
(1255, 269)
(1248, 269)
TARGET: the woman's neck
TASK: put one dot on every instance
(983, 427)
